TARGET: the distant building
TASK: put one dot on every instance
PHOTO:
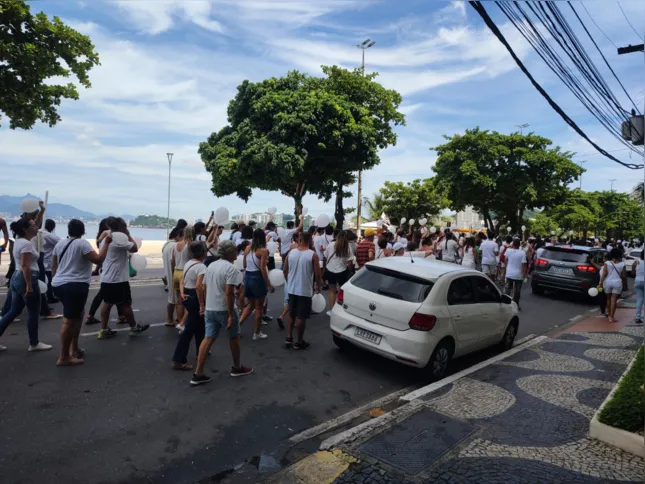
(468, 218)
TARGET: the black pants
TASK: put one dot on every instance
(50, 289)
(602, 301)
(12, 264)
(513, 287)
(195, 326)
(96, 303)
(44, 306)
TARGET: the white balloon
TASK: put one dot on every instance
(119, 239)
(305, 211)
(570, 232)
(139, 262)
(423, 222)
(221, 215)
(138, 241)
(523, 228)
(318, 303)
(553, 232)
(272, 247)
(276, 277)
(433, 230)
(403, 220)
(272, 210)
(593, 292)
(239, 262)
(280, 231)
(322, 220)
(42, 286)
(508, 229)
(29, 205)
(411, 222)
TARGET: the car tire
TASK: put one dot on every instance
(340, 342)
(537, 290)
(440, 360)
(509, 335)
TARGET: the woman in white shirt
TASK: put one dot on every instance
(180, 256)
(193, 296)
(470, 259)
(611, 281)
(336, 257)
(71, 266)
(24, 289)
(638, 270)
(449, 248)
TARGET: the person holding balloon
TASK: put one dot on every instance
(25, 291)
(612, 279)
(336, 259)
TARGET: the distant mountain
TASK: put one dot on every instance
(10, 204)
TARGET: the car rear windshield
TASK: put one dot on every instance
(389, 283)
(566, 255)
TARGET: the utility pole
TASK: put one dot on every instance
(364, 46)
(169, 155)
(522, 126)
(581, 163)
(612, 183)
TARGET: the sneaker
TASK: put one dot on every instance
(241, 371)
(139, 328)
(639, 321)
(328, 313)
(280, 323)
(259, 336)
(199, 379)
(40, 347)
(288, 342)
(179, 328)
(3, 348)
(91, 320)
(301, 345)
(52, 315)
(263, 323)
(106, 333)
(266, 318)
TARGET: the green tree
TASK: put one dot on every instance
(541, 224)
(34, 51)
(504, 174)
(580, 211)
(374, 206)
(420, 198)
(300, 134)
(153, 221)
(621, 216)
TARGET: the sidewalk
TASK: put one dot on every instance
(523, 419)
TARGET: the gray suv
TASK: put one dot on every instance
(567, 268)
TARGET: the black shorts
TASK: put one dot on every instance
(116, 293)
(339, 278)
(73, 295)
(299, 306)
(271, 263)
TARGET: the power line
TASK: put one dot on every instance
(630, 24)
(594, 22)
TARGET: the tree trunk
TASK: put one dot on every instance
(297, 207)
(339, 212)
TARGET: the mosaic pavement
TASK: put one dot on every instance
(531, 412)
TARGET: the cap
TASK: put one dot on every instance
(369, 232)
(398, 246)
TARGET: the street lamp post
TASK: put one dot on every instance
(169, 155)
(364, 46)
(612, 180)
(581, 163)
(522, 126)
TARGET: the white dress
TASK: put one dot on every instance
(468, 260)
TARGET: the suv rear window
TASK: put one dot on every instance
(565, 255)
(389, 283)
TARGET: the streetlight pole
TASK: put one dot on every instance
(364, 46)
(169, 155)
(581, 163)
(522, 126)
(612, 180)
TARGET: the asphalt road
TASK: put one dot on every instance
(126, 416)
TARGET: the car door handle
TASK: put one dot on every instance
(457, 317)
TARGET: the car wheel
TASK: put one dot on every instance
(340, 342)
(440, 360)
(509, 336)
(538, 290)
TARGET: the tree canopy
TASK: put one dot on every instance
(419, 198)
(33, 51)
(153, 221)
(300, 134)
(503, 174)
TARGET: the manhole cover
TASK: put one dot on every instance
(418, 441)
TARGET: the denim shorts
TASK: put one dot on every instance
(217, 320)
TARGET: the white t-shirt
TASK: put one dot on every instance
(489, 250)
(514, 260)
(614, 270)
(286, 240)
(403, 241)
(192, 271)
(321, 243)
(115, 265)
(274, 236)
(337, 264)
(220, 274)
(74, 266)
(24, 246)
(166, 256)
(201, 238)
(50, 241)
(449, 250)
(236, 237)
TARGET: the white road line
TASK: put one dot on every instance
(523, 340)
(127, 328)
(452, 378)
(576, 318)
(348, 417)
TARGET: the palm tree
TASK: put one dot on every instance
(374, 207)
(637, 192)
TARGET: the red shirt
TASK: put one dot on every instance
(363, 252)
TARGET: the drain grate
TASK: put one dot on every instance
(418, 441)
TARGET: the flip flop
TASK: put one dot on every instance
(70, 362)
(181, 367)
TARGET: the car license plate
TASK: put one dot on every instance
(368, 335)
(561, 270)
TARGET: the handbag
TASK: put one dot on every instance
(132, 270)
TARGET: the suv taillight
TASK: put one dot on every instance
(340, 297)
(540, 262)
(586, 268)
(422, 322)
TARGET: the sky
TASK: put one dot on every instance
(169, 68)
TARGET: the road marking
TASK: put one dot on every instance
(348, 417)
(594, 310)
(94, 333)
(523, 340)
(576, 318)
(452, 378)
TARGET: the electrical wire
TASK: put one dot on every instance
(594, 22)
(479, 8)
(630, 24)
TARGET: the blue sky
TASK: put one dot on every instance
(169, 67)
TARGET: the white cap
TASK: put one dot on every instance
(398, 246)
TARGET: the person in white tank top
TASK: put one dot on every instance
(611, 280)
(638, 270)
(180, 255)
(470, 254)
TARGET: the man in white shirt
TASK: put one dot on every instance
(221, 280)
(50, 239)
(516, 271)
(489, 250)
(285, 243)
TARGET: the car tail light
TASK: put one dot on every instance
(422, 322)
(541, 262)
(586, 268)
(340, 297)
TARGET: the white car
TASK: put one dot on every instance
(422, 313)
(630, 258)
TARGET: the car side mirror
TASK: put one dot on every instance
(506, 299)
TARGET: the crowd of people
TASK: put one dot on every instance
(216, 283)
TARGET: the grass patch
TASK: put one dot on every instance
(626, 408)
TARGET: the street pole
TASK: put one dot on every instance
(169, 155)
(581, 162)
(365, 45)
(612, 180)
